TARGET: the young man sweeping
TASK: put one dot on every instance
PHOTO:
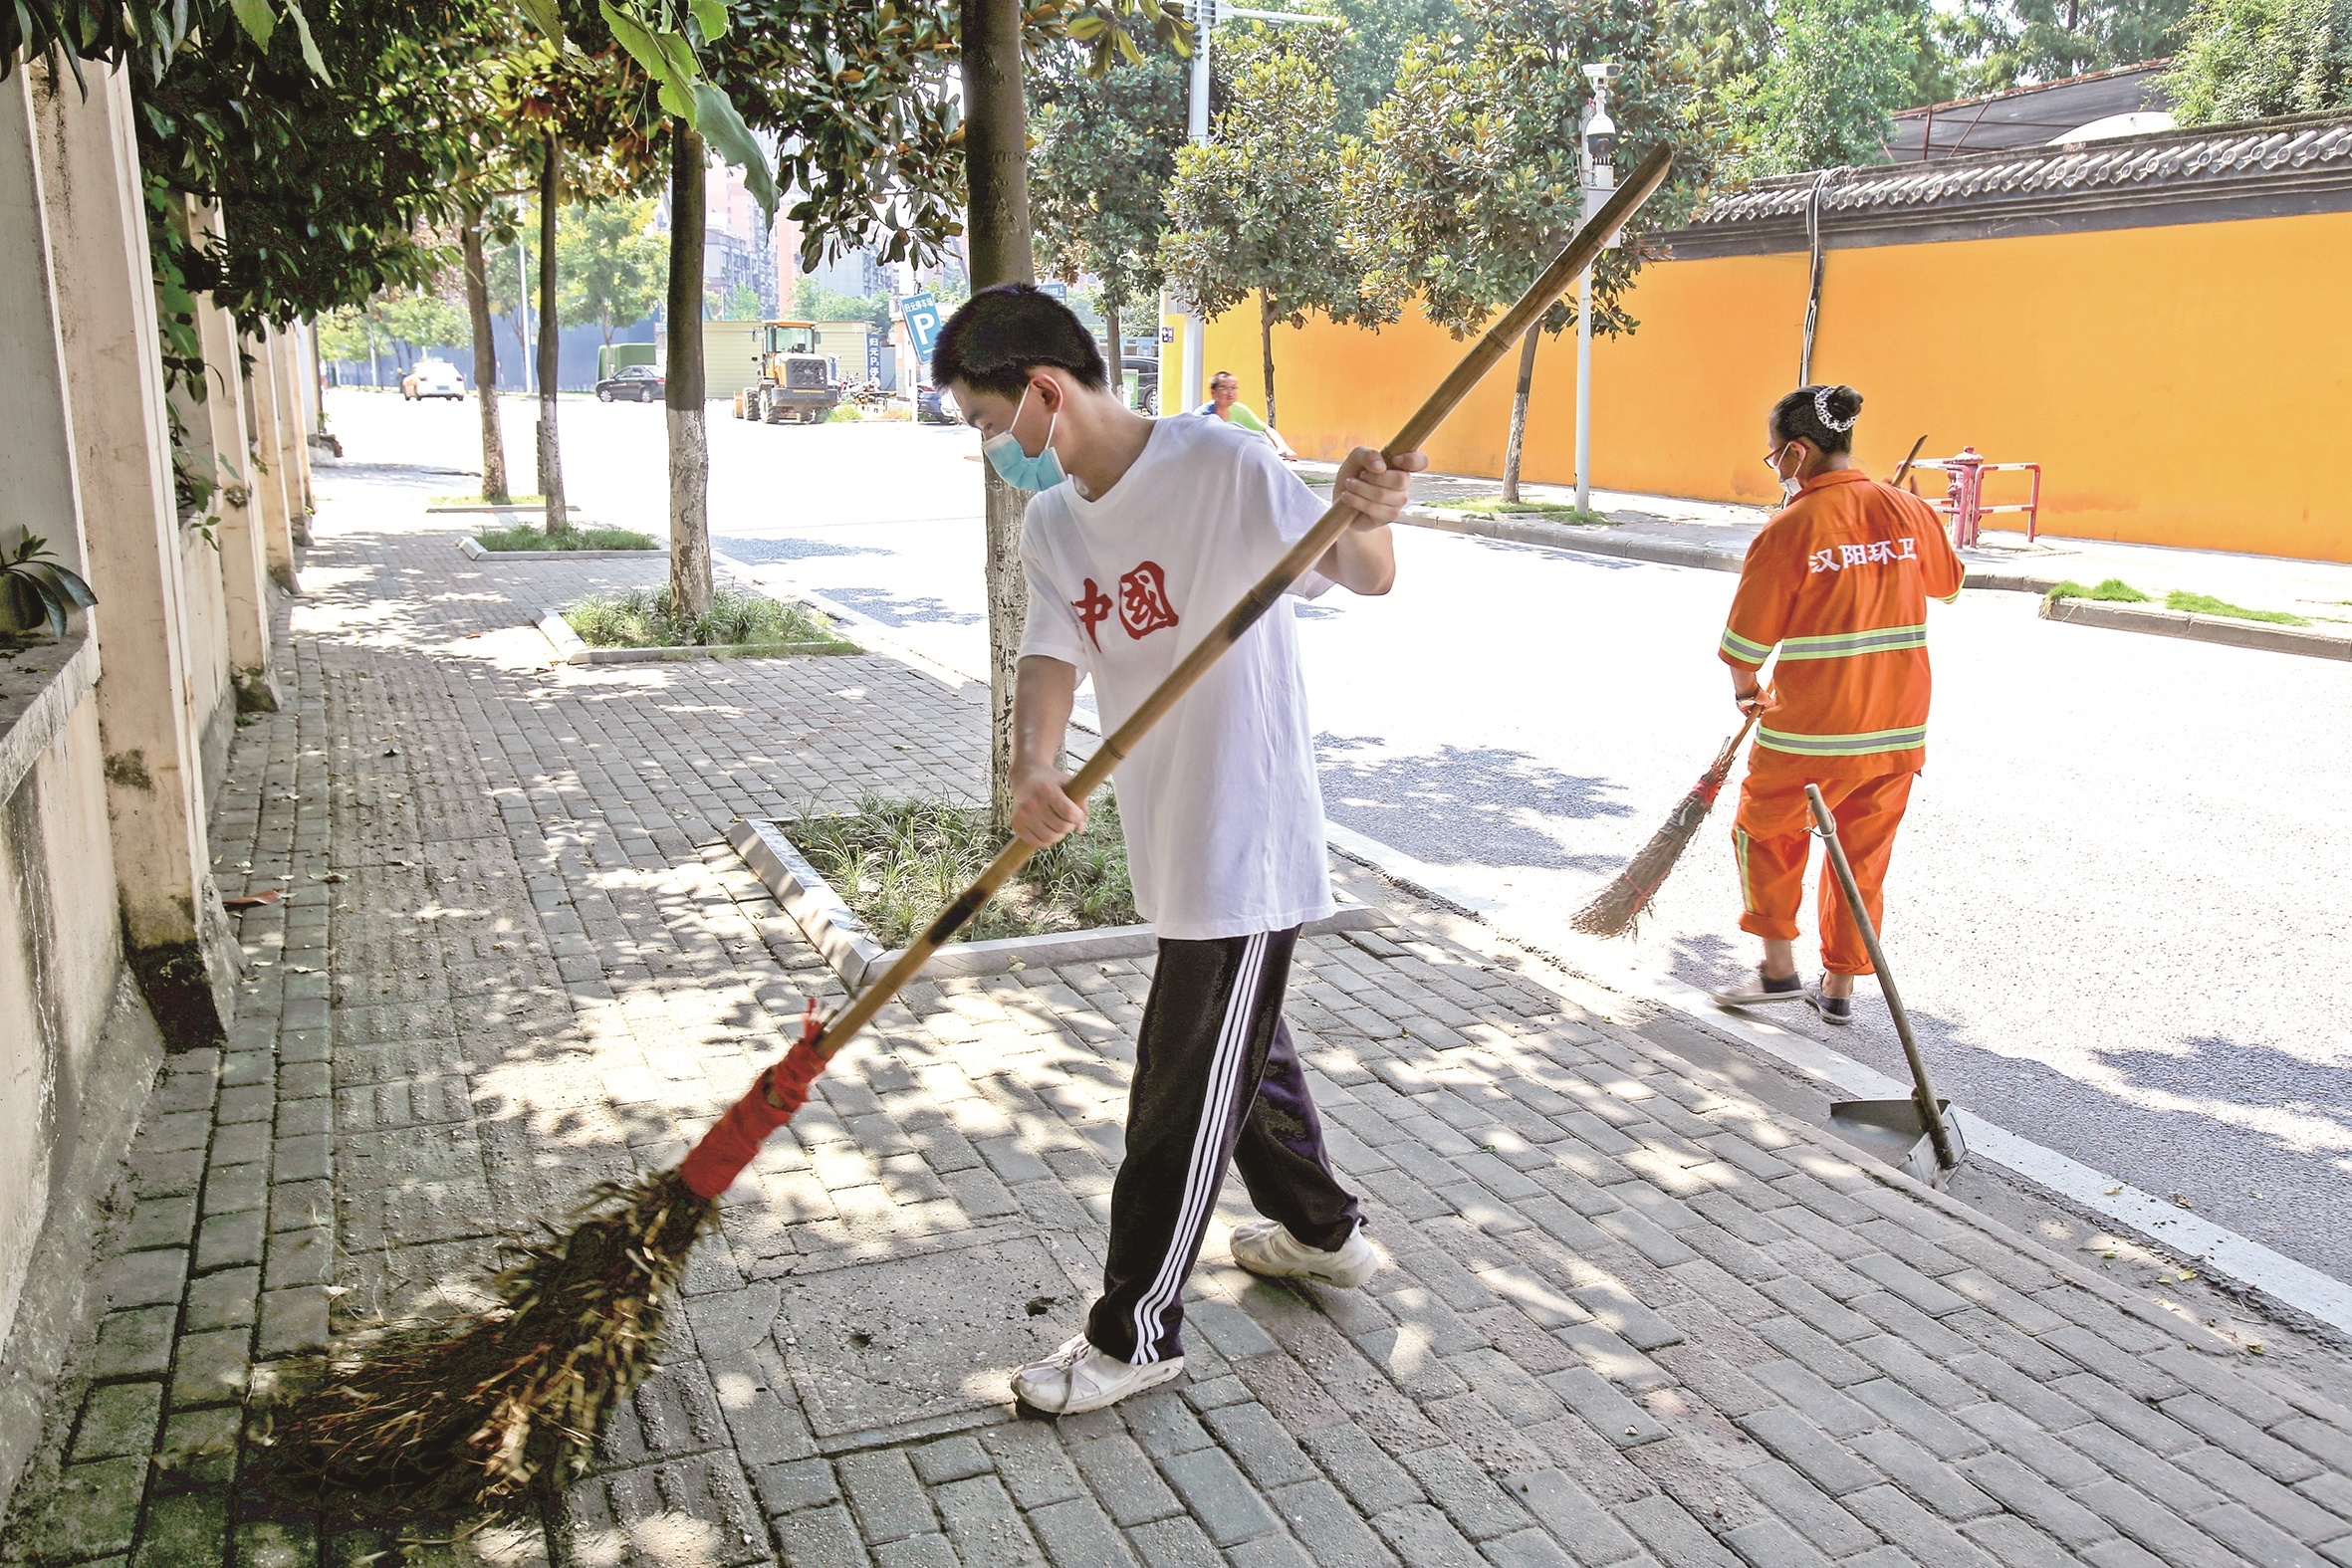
(1142, 534)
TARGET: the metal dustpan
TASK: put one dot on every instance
(1916, 1135)
(1896, 1133)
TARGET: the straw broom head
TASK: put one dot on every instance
(471, 1419)
(1617, 911)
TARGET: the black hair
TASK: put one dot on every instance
(999, 334)
(1798, 418)
(1224, 375)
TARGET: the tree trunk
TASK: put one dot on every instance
(1265, 347)
(1518, 413)
(997, 250)
(690, 452)
(550, 457)
(1118, 357)
(477, 304)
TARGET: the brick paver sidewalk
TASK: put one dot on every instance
(1629, 1315)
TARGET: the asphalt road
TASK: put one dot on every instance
(2121, 908)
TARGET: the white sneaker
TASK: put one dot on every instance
(1078, 1378)
(1264, 1248)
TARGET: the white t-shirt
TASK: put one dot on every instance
(1223, 812)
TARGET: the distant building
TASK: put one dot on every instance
(2130, 101)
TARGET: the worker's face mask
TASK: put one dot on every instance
(1011, 460)
(1790, 484)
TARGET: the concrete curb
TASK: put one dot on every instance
(738, 650)
(471, 548)
(503, 510)
(569, 649)
(1645, 547)
(853, 954)
(2154, 619)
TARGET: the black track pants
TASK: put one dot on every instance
(1217, 1079)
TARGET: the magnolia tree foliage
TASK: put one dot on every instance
(2244, 59)
(1254, 212)
(1469, 177)
(1104, 152)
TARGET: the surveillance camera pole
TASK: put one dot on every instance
(1600, 141)
(1206, 14)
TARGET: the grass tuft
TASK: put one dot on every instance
(2112, 591)
(1496, 505)
(897, 863)
(644, 618)
(2207, 604)
(844, 414)
(532, 535)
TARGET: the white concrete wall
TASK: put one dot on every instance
(59, 953)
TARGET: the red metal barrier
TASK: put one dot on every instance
(1963, 493)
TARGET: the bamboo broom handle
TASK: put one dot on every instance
(1501, 339)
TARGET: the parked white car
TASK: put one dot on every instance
(432, 379)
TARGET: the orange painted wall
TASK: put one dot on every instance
(2189, 384)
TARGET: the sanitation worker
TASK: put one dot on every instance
(1141, 534)
(1838, 581)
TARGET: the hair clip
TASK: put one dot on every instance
(1821, 413)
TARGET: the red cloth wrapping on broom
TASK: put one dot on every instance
(770, 1102)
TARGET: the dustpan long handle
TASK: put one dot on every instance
(1931, 1110)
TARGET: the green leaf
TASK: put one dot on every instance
(254, 16)
(723, 127)
(639, 39)
(543, 15)
(711, 17)
(310, 46)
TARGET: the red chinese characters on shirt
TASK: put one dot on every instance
(1143, 601)
(1094, 607)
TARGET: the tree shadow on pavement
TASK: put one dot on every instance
(892, 610)
(769, 551)
(1477, 805)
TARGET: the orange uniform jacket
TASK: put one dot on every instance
(1839, 581)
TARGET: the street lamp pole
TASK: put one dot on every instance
(1208, 13)
(523, 307)
(1600, 178)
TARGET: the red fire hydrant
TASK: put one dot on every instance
(1964, 495)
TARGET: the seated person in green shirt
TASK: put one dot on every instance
(1224, 402)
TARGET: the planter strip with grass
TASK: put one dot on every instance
(529, 541)
(862, 884)
(2198, 618)
(639, 626)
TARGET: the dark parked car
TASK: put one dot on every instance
(640, 381)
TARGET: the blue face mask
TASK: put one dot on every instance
(1018, 467)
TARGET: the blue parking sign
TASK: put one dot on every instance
(921, 312)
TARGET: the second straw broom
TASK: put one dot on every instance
(470, 1416)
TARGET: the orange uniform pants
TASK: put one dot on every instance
(1770, 837)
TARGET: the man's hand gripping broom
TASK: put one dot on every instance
(459, 1419)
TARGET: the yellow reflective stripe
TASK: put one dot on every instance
(1740, 648)
(1843, 745)
(1846, 644)
(1740, 852)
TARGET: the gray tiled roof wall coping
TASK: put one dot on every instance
(2217, 152)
